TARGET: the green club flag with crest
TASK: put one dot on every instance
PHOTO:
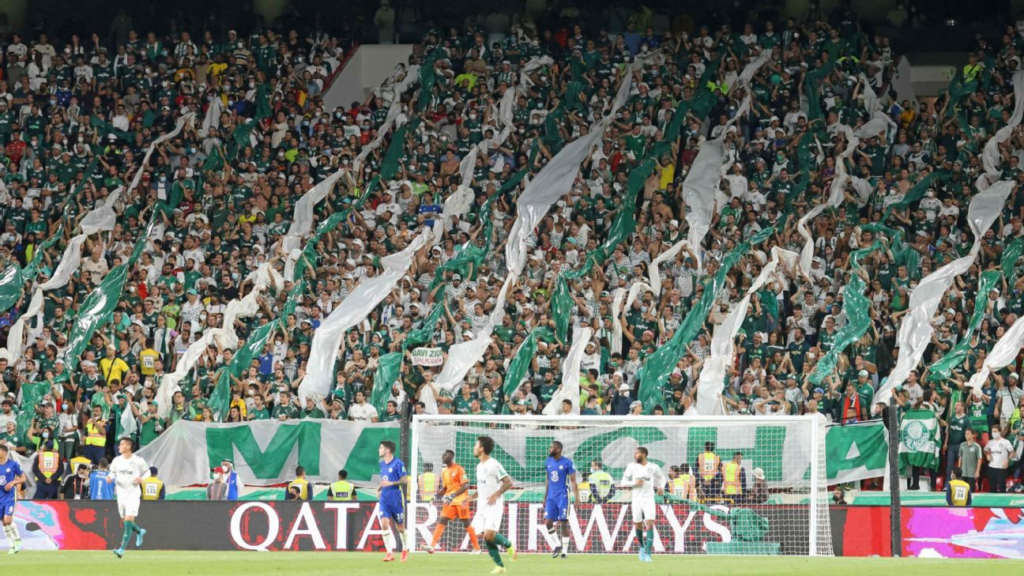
(855, 452)
(919, 440)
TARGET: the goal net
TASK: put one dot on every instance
(760, 489)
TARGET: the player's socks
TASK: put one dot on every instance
(389, 541)
(438, 531)
(565, 545)
(649, 542)
(500, 540)
(554, 540)
(640, 538)
(492, 549)
(472, 538)
(405, 543)
(127, 535)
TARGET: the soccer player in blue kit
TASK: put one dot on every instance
(10, 477)
(393, 476)
(560, 472)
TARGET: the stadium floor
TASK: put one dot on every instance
(159, 563)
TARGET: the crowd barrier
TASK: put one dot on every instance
(353, 526)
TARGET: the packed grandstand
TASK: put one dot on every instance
(647, 216)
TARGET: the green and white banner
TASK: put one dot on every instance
(919, 440)
(856, 452)
(781, 450)
(266, 452)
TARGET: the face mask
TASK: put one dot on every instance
(64, 406)
(46, 435)
(996, 435)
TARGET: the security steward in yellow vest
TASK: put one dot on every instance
(342, 490)
(301, 484)
(684, 485)
(48, 469)
(958, 492)
(733, 477)
(96, 436)
(972, 69)
(77, 461)
(427, 483)
(602, 485)
(153, 486)
(708, 468)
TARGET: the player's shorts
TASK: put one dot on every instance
(453, 511)
(557, 508)
(392, 506)
(7, 504)
(128, 506)
(643, 509)
(488, 517)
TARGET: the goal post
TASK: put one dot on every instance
(766, 493)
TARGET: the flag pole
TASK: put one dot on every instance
(892, 421)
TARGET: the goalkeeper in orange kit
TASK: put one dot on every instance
(453, 493)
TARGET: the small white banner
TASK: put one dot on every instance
(427, 357)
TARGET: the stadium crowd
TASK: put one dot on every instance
(77, 117)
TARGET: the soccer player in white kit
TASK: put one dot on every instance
(128, 471)
(491, 482)
(644, 479)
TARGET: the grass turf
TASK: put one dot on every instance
(157, 563)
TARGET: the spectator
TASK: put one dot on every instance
(217, 489)
(997, 453)
(76, 486)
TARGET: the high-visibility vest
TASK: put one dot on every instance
(601, 483)
(93, 436)
(681, 486)
(428, 484)
(49, 464)
(342, 490)
(971, 71)
(303, 486)
(708, 463)
(584, 488)
(151, 488)
(959, 492)
(76, 461)
(731, 479)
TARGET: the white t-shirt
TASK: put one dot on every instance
(125, 472)
(1000, 450)
(364, 411)
(489, 475)
(652, 476)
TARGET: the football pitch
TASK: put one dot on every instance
(157, 563)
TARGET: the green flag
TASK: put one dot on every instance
(11, 285)
(944, 366)
(919, 440)
(521, 361)
(659, 365)
(220, 400)
(858, 311)
(855, 452)
(389, 367)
